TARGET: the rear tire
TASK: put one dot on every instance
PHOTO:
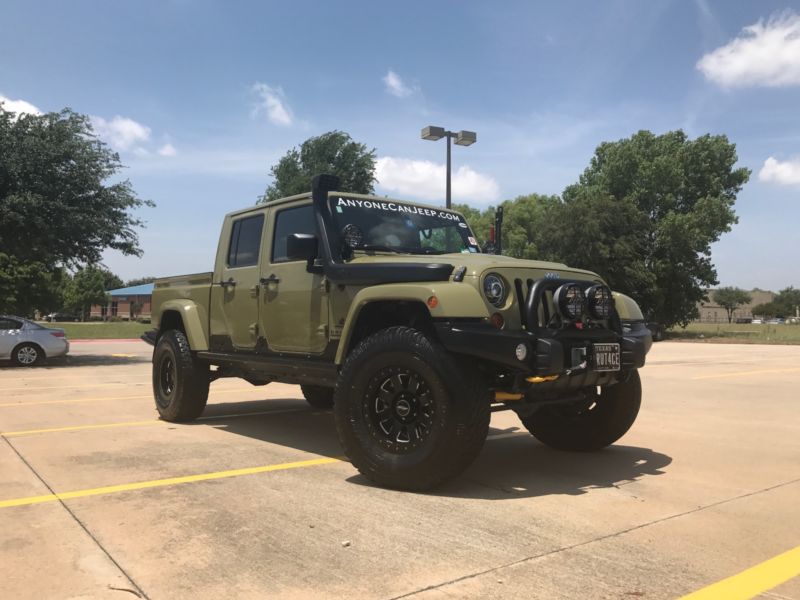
(318, 396)
(407, 414)
(27, 354)
(587, 429)
(180, 383)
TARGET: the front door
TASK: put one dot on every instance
(294, 304)
(235, 291)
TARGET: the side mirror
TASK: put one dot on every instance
(301, 246)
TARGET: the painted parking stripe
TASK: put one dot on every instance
(140, 423)
(745, 373)
(754, 581)
(150, 396)
(154, 483)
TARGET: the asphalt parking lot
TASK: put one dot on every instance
(253, 501)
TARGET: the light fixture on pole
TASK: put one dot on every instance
(462, 138)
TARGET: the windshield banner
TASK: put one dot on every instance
(395, 207)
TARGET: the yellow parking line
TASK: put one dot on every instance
(744, 373)
(142, 485)
(755, 580)
(214, 393)
(79, 427)
(61, 387)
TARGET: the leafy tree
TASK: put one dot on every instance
(644, 215)
(139, 281)
(784, 304)
(89, 286)
(57, 206)
(334, 153)
(731, 298)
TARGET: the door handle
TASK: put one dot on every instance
(271, 279)
(230, 283)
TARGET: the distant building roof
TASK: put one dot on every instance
(146, 289)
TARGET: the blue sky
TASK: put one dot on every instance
(201, 98)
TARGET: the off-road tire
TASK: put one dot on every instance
(180, 384)
(587, 430)
(27, 354)
(450, 400)
(318, 396)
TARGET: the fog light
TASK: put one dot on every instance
(521, 351)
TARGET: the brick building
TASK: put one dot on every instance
(126, 303)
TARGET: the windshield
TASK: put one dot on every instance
(375, 225)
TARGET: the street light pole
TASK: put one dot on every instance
(463, 138)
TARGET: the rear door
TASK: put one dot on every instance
(10, 330)
(235, 290)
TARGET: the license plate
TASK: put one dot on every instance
(606, 357)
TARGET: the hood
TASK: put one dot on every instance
(478, 264)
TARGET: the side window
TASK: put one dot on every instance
(245, 241)
(287, 222)
(9, 325)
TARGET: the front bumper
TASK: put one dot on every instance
(549, 352)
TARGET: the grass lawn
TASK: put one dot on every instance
(738, 334)
(84, 331)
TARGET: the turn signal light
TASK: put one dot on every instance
(433, 302)
(497, 320)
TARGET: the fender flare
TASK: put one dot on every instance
(455, 300)
(191, 319)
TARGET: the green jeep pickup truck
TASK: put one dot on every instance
(388, 312)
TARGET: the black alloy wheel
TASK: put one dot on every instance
(399, 409)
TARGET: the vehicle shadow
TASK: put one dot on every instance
(512, 464)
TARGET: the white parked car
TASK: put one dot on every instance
(26, 343)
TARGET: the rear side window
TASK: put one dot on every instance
(245, 241)
(287, 222)
(9, 324)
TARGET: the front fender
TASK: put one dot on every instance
(189, 313)
(627, 309)
(455, 300)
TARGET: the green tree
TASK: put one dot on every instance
(139, 281)
(644, 215)
(89, 285)
(58, 205)
(785, 303)
(731, 298)
(334, 153)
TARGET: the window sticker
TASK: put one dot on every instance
(463, 225)
(472, 241)
(395, 207)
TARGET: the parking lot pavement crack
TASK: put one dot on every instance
(138, 591)
(600, 538)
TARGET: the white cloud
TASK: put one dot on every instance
(19, 106)
(396, 86)
(121, 132)
(272, 101)
(167, 150)
(426, 180)
(781, 172)
(764, 54)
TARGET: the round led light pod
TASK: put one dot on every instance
(570, 301)
(599, 301)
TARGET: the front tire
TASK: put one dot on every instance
(317, 396)
(27, 355)
(180, 384)
(407, 416)
(594, 424)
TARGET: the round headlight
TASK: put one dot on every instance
(570, 301)
(600, 301)
(494, 288)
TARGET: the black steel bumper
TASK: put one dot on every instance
(548, 353)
